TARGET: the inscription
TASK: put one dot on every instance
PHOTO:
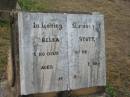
(87, 39)
(88, 26)
(46, 54)
(81, 51)
(60, 78)
(60, 51)
(93, 63)
(48, 25)
(49, 39)
(47, 67)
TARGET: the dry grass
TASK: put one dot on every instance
(117, 26)
(4, 46)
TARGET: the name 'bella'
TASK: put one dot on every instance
(49, 39)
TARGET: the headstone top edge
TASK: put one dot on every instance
(69, 13)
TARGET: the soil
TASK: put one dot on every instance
(117, 28)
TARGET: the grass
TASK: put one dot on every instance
(117, 21)
(4, 45)
(33, 5)
(110, 90)
(4, 23)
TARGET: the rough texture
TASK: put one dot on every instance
(117, 28)
(5, 90)
(80, 62)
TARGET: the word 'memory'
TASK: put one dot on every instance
(48, 26)
(87, 26)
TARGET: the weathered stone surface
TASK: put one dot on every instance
(61, 51)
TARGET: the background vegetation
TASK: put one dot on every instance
(117, 28)
(4, 46)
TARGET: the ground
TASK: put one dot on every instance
(117, 29)
(4, 46)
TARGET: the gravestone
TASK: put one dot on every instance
(60, 51)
